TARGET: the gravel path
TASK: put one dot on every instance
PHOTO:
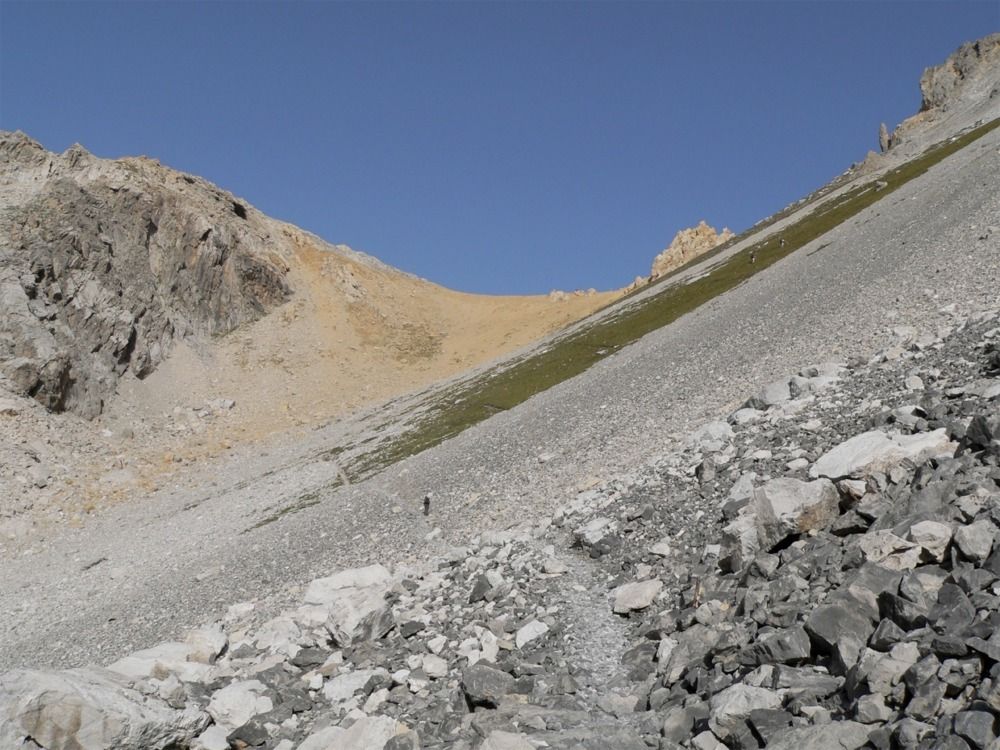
(140, 573)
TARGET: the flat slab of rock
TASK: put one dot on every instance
(634, 596)
(500, 740)
(367, 733)
(486, 686)
(737, 701)
(89, 709)
(877, 451)
(839, 735)
(529, 632)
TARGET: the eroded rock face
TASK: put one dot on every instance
(942, 84)
(103, 264)
(688, 244)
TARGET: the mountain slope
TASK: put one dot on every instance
(183, 322)
(261, 521)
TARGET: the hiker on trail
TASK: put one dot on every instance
(427, 504)
(753, 255)
(782, 242)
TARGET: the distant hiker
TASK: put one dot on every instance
(753, 255)
(782, 243)
(427, 504)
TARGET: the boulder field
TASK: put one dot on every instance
(819, 570)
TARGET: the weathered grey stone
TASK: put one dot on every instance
(356, 603)
(876, 451)
(871, 709)
(829, 623)
(160, 661)
(530, 632)
(784, 647)
(367, 733)
(933, 538)
(345, 685)
(486, 686)
(740, 542)
(840, 735)
(238, 702)
(787, 507)
(737, 701)
(978, 727)
(976, 540)
(770, 395)
(953, 612)
(89, 709)
(500, 740)
(893, 552)
(637, 595)
(213, 738)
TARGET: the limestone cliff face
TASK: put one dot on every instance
(973, 70)
(687, 244)
(104, 263)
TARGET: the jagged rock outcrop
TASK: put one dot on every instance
(686, 245)
(883, 138)
(104, 263)
(942, 85)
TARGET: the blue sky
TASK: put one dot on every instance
(491, 147)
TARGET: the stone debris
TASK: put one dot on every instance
(823, 576)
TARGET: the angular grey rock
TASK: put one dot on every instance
(784, 647)
(883, 138)
(877, 451)
(976, 540)
(355, 599)
(839, 735)
(787, 507)
(530, 632)
(829, 623)
(871, 709)
(89, 709)
(933, 537)
(737, 701)
(637, 595)
(740, 542)
(486, 686)
(237, 703)
(501, 740)
(770, 395)
(367, 733)
(978, 727)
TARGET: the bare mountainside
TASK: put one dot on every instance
(763, 514)
(188, 321)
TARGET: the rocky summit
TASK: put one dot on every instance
(796, 544)
(687, 245)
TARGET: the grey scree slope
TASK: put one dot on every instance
(166, 568)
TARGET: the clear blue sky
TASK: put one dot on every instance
(505, 147)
